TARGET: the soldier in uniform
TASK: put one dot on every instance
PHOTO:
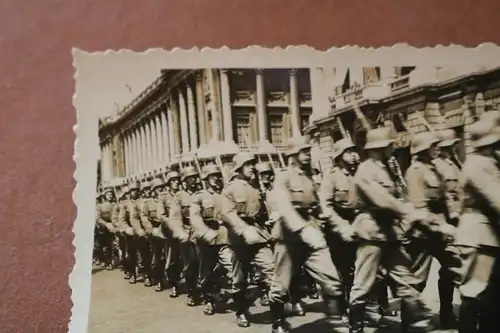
(128, 218)
(378, 228)
(337, 202)
(151, 223)
(301, 242)
(181, 219)
(427, 192)
(173, 233)
(243, 211)
(142, 239)
(104, 212)
(122, 197)
(478, 233)
(213, 240)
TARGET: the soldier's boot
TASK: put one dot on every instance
(279, 325)
(384, 306)
(298, 309)
(357, 315)
(241, 304)
(174, 291)
(313, 294)
(264, 298)
(333, 311)
(191, 299)
(373, 318)
(468, 318)
(415, 316)
(447, 318)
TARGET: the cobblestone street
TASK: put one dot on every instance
(118, 307)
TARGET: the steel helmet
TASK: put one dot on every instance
(486, 131)
(448, 138)
(242, 158)
(210, 169)
(157, 182)
(295, 145)
(422, 142)
(189, 171)
(341, 146)
(378, 138)
(145, 185)
(171, 175)
(264, 167)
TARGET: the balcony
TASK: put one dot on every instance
(400, 83)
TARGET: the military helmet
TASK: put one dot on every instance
(378, 138)
(242, 158)
(145, 185)
(133, 186)
(295, 145)
(107, 189)
(171, 175)
(448, 138)
(157, 182)
(486, 131)
(210, 169)
(422, 142)
(189, 171)
(264, 167)
(341, 146)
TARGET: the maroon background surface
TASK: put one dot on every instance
(36, 87)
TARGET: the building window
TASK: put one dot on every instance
(242, 123)
(276, 129)
(304, 121)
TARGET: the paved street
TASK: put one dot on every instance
(118, 307)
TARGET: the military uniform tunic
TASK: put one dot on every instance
(451, 175)
(151, 221)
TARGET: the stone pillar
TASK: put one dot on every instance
(154, 144)
(110, 161)
(171, 138)
(130, 157)
(103, 163)
(135, 151)
(294, 104)
(227, 112)
(126, 155)
(159, 141)
(144, 156)
(165, 139)
(184, 124)
(213, 108)
(193, 131)
(200, 103)
(261, 106)
(149, 156)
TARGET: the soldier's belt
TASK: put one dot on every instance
(307, 212)
(347, 213)
(212, 223)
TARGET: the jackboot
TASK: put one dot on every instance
(333, 310)
(468, 318)
(278, 317)
(357, 318)
(415, 316)
(241, 305)
(447, 318)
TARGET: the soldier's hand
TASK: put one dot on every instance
(313, 237)
(110, 227)
(251, 235)
(210, 236)
(157, 233)
(448, 232)
(148, 230)
(348, 233)
(183, 236)
(454, 219)
(129, 231)
(141, 233)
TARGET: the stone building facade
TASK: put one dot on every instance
(186, 112)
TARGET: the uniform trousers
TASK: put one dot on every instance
(216, 261)
(183, 257)
(158, 247)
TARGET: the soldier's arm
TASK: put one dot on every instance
(451, 203)
(377, 194)
(115, 215)
(281, 202)
(122, 214)
(327, 200)
(135, 219)
(99, 220)
(229, 212)
(146, 223)
(161, 210)
(174, 220)
(486, 180)
(200, 228)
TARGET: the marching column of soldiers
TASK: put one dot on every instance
(356, 231)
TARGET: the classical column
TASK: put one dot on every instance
(159, 141)
(213, 107)
(193, 131)
(138, 154)
(164, 135)
(133, 153)
(171, 138)
(144, 156)
(200, 103)
(103, 163)
(147, 146)
(126, 155)
(294, 103)
(261, 106)
(226, 106)
(184, 124)
(154, 143)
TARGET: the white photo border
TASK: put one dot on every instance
(89, 65)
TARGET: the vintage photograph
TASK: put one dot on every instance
(325, 198)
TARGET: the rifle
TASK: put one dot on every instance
(197, 164)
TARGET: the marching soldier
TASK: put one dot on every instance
(151, 224)
(212, 234)
(427, 192)
(171, 230)
(122, 197)
(378, 229)
(242, 210)
(104, 214)
(128, 218)
(337, 202)
(478, 231)
(300, 241)
(181, 219)
(143, 245)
